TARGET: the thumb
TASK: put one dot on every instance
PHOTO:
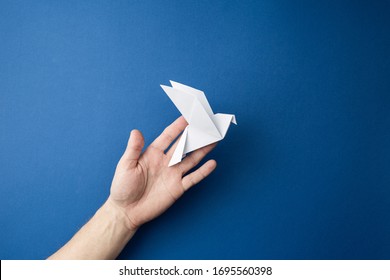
(134, 148)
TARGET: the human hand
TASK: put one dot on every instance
(144, 186)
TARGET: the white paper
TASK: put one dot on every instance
(204, 127)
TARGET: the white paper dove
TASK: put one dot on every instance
(204, 127)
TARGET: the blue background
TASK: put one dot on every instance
(305, 174)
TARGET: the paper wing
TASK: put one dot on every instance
(197, 93)
(191, 107)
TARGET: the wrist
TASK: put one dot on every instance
(118, 214)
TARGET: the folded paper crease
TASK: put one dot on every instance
(204, 127)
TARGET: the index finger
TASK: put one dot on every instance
(169, 134)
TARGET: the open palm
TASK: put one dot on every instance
(144, 186)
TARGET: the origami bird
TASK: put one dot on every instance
(204, 127)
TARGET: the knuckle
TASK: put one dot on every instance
(167, 135)
(193, 160)
(202, 175)
(191, 179)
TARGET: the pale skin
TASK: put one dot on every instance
(143, 188)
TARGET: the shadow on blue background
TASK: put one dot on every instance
(305, 174)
